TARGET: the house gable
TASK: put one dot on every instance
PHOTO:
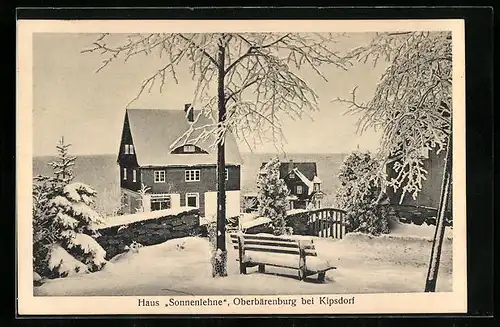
(298, 174)
(127, 157)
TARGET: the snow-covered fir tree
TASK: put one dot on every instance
(271, 195)
(64, 222)
(77, 225)
(63, 166)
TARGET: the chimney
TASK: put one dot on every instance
(189, 110)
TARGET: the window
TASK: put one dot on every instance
(424, 153)
(192, 175)
(159, 176)
(316, 187)
(292, 176)
(192, 200)
(227, 174)
(189, 148)
(299, 189)
(129, 149)
(160, 202)
(134, 175)
(124, 174)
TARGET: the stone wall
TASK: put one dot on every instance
(149, 231)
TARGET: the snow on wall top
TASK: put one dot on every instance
(128, 219)
(255, 222)
(295, 211)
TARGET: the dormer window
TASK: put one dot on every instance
(189, 148)
(317, 187)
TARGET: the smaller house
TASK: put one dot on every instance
(302, 180)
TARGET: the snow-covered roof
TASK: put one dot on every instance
(155, 130)
(128, 219)
(305, 180)
(292, 197)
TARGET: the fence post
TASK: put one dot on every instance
(341, 224)
(321, 223)
(241, 254)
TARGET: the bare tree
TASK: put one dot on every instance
(256, 81)
(412, 106)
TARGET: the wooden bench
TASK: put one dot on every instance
(262, 250)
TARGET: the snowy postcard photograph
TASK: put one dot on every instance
(241, 167)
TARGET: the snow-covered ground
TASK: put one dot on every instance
(393, 263)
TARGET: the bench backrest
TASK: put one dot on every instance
(274, 244)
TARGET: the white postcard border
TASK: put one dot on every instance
(450, 302)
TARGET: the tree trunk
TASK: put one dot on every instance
(220, 260)
(432, 273)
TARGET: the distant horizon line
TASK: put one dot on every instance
(241, 152)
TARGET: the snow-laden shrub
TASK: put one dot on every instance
(37, 279)
(271, 195)
(63, 264)
(358, 195)
(44, 232)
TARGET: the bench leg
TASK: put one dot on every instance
(243, 268)
(262, 268)
(321, 276)
(301, 274)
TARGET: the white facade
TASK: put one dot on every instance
(233, 203)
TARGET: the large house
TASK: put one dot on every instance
(303, 182)
(153, 155)
(430, 194)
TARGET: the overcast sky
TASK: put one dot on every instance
(87, 108)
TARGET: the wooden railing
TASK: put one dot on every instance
(325, 222)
